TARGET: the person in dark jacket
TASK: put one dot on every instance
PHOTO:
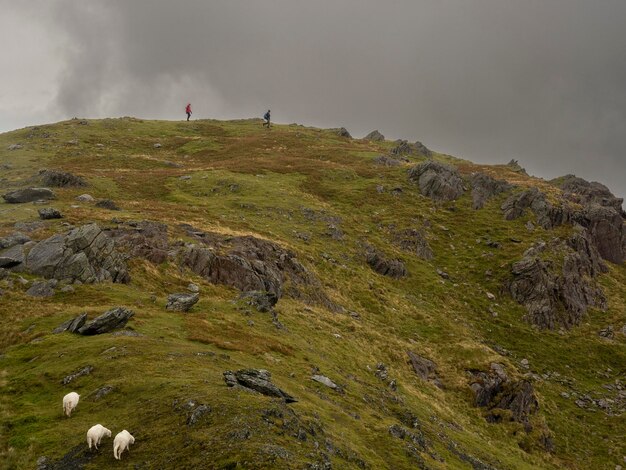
(267, 119)
(188, 111)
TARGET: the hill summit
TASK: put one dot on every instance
(293, 297)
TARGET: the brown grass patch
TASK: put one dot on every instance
(232, 337)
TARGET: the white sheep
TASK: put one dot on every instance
(95, 435)
(69, 402)
(122, 442)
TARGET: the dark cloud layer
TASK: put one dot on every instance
(488, 80)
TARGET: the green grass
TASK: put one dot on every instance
(282, 184)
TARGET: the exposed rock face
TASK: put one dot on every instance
(60, 179)
(484, 187)
(418, 149)
(413, 241)
(252, 264)
(72, 325)
(47, 213)
(258, 380)
(424, 368)
(585, 193)
(384, 160)
(70, 378)
(607, 230)
(559, 296)
(28, 195)
(394, 268)
(548, 216)
(108, 321)
(12, 257)
(16, 238)
(85, 254)
(343, 132)
(437, 181)
(261, 301)
(375, 136)
(181, 302)
(143, 239)
(495, 391)
(516, 167)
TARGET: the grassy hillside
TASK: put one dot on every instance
(314, 193)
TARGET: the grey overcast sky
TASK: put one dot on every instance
(542, 81)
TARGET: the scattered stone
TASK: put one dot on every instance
(397, 191)
(530, 226)
(417, 149)
(107, 204)
(157, 146)
(12, 257)
(607, 332)
(42, 288)
(70, 378)
(60, 179)
(260, 300)
(438, 181)
(443, 274)
(325, 381)
(375, 136)
(14, 147)
(72, 325)
(525, 364)
(28, 195)
(490, 296)
(72, 142)
(47, 213)
(85, 198)
(413, 241)
(108, 321)
(16, 238)
(102, 392)
(184, 177)
(381, 371)
(181, 302)
(67, 289)
(258, 380)
(193, 288)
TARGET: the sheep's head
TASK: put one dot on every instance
(107, 432)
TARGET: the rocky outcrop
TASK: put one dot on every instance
(252, 264)
(258, 380)
(548, 216)
(28, 195)
(60, 179)
(516, 167)
(261, 301)
(72, 325)
(558, 295)
(107, 204)
(142, 239)
(108, 321)
(437, 181)
(343, 132)
(375, 136)
(87, 370)
(417, 149)
(181, 302)
(42, 288)
(586, 193)
(12, 257)
(484, 187)
(607, 230)
(424, 368)
(505, 398)
(15, 238)
(84, 254)
(393, 268)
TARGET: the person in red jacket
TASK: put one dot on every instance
(188, 111)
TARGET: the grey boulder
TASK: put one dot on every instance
(181, 302)
(12, 257)
(28, 195)
(42, 288)
(108, 321)
(47, 213)
(437, 181)
(72, 325)
(258, 380)
(375, 136)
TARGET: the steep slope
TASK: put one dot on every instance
(423, 311)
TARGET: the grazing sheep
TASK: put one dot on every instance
(69, 402)
(121, 442)
(95, 435)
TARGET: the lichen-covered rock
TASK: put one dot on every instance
(424, 368)
(343, 132)
(107, 204)
(384, 160)
(586, 193)
(12, 257)
(28, 195)
(72, 325)
(42, 288)
(484, 187)
(261, 301)
(418, 149)
(16, 238)
(108, 321)
(437, 181)
(559, 295)
(375, 136)
(142, 239)
(85, 254)
(47, 213)
(258, 380)
(181, 302)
